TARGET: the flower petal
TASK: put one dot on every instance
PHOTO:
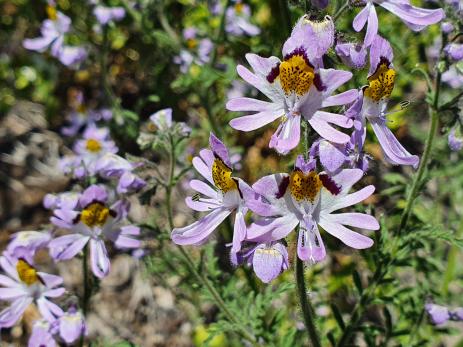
(198, 231)
(347, 236)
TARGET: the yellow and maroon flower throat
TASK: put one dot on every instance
(296, 74)
(381, 83)
(27, 273)
(306, 186)
(221, 174)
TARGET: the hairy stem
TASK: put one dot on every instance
(341, 10)
(307, 310)
(433, 111)
(85, 276)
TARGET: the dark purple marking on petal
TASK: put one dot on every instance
(282, 187)
(317, 81)
(329, 184)
(271, 77)
(299, 51)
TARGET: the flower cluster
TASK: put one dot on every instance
(301, 93)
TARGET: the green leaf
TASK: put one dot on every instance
(338, 316)
(357, 281)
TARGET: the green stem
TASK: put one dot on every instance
(433, 111)
(451, 262)
(286, 15)
(307, 310)
(341, 10)
(189, 262)
(85, 275)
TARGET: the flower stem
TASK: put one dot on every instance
(307, 310)
(433, 111)
(85, 275)
(341, 10)
(201, 277)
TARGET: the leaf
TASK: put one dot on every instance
(357, 281)
(338, 316)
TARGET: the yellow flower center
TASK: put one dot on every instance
(380, 83)
(239, 7)
(81, 108)
(51, 12)
(26, 272)
(93, 145)
(296, 75)
(221, 174)
(191, 43)
(305, 186)
(94, 214)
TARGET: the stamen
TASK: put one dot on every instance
(51, 12)
(95, 214)
(296, 75)
(93, 145)
(381, 82)
(305, 186)
(221, 174)
(26, 272)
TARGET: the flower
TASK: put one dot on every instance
(447, 27)
(268, 260)
(80, 116)
(237, 20)
(93, 221)
(352, 54)
(24, 244)
(24, 285)
(223, 195)
(437, 314)
(307, 199)
(201, 48)
(104, 14)
(42, 335)
(94, 145)
(114, 166)
(415, 18)
(453, 77)
(68, 327)
(53, 31)
(162, 120)
(455, 143)
(71, 325)
(454, 51)
(372, 102)
(297, 88)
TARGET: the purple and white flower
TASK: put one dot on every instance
(306, 200)
(23, 285)
(237, 20)
(53, 31)
(71, 325)
(415, 18)
(437, 314)
(297, 88)
(104, 14)
(454, 51)
(92, 147)
(113, 166)
(223, 195)
(455, 142)
(352, 54)
(93, 222)
(25, 244)
(268, 259)
(372, 102)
